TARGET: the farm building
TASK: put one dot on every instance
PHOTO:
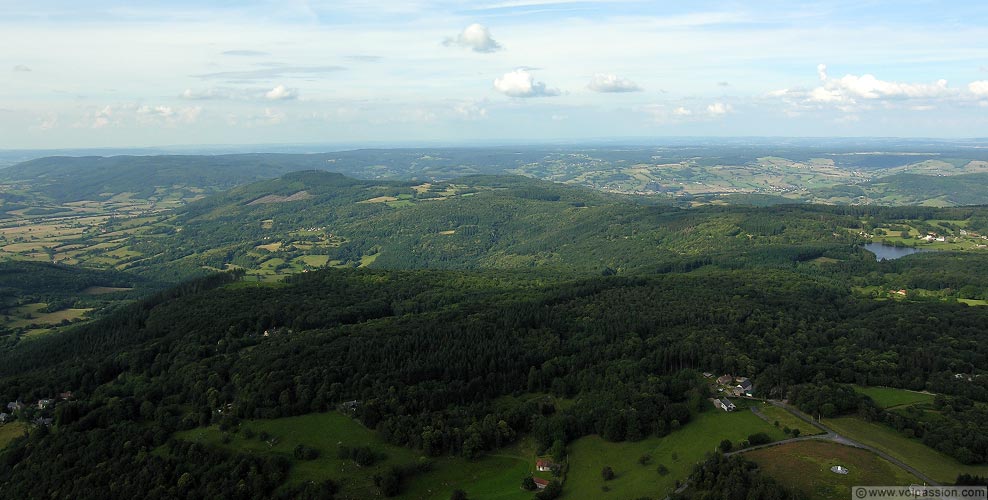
(543, 465)
(725, 404)
(744, 387)
(540, 483)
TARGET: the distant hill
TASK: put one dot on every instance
(65, 179)
(909, 189)
(660, 172)
(912, 189)
(473, 222)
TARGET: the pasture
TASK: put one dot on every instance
(805, 467)
(786, 419)
(888, 397)
(31, 314)
(938, 466)
(497, 476)
(677, 452)
(10, 432)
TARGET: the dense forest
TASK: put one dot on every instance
(425, 353)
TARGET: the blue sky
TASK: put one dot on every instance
(142, 73)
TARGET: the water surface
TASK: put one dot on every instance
(887, 252)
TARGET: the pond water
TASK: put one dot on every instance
(886, 252)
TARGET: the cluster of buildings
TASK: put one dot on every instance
(545, 465)
(728, 384)
(739, 386)
(17, 409)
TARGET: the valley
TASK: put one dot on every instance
(460, 323)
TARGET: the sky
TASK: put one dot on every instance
(103, 73)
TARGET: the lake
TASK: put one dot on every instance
(886, 252)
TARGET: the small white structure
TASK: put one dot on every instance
(839, 469)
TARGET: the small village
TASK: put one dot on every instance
(40, 413)
(739, 386)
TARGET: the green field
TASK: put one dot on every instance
(887, 397)
(314, 260)
(11, 431)
(805, 467)
(786, 419)
(590, 454)
(938, 466)
(31, 314)
(974, 302)
(497, 476)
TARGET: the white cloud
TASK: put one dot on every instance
(22, 68)
(167, 115)
(521, 83)
(979, 88)
(851, 87)
(822, 94)
(281, 93)
(475, 37)
(211, 93)
(48, 122)
(612, 83)
(671, 113)
(470, 110)
(853, 93)
(719, 109)
(268, 117)
(102, 117)
(158, 111)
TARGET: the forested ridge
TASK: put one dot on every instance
(427, 352)
(481, 291)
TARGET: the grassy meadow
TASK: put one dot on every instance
(938, 466)
(805, 467)
(786, 419)
(11, 431)
(887, 397)
(496, 476)
(677, 452)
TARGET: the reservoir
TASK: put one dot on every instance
(886, 252)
